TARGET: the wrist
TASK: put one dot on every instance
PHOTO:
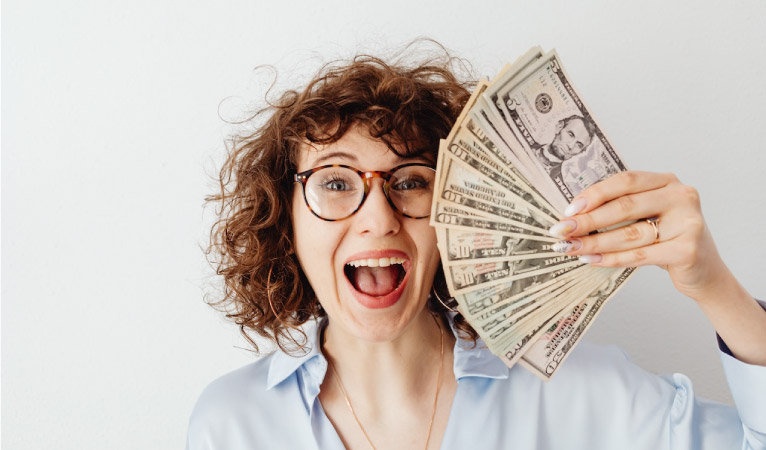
(722, 290)
(737, 318)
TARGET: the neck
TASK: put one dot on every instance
(404, 366)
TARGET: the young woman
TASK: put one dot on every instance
(349, 291)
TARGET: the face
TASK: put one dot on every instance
(371, 303)
(571, 140)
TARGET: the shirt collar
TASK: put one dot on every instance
(475, 360)
(469, 360)
(283, 365)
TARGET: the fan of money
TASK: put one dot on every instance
(522, 148)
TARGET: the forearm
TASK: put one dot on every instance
(739, 320)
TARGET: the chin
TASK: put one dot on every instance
(380, 324)
(558, 153)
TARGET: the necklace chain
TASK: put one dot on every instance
(436, 396)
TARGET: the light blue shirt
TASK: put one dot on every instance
(597, 400)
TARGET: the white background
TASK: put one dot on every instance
(111, 131)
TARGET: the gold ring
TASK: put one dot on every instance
(655, 223)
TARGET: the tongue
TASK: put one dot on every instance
(376, 281)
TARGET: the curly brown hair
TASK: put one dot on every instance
(408, 105)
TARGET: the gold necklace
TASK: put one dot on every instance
(436, 397)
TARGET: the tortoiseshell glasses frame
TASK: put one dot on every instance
(366, 178)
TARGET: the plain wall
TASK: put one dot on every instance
(111, 130)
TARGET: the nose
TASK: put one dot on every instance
(376, 217)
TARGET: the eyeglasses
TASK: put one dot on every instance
(336, 191)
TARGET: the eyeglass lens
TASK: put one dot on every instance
(336, 192)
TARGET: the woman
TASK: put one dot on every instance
(385, 364)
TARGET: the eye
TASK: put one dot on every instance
(410, 183)
(336, 183)
(570, 134)
(579, 145)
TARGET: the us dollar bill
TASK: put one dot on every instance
(498, 151)
(521, 149)
(548, 351)
(510, 72)
(508, 313)
(518, 325)
(456, 156)
(492, 119)
(481, 184)
(464, 278)
(505, 79)
(480, 87)
(513, 316)
(557, 130)
(479, 302)
(466, 130)
(462, 247)
(523, 332)
(461, 186)
(456, 216)
(468, 151)
(511, 351)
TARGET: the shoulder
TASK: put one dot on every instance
(234, 390)
(265, 402)
(238, 407)
(599, 385)
(597, 379)
(595, 399)
(606, 369)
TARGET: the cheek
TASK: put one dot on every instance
(315, 244)
(428, 252)
(304, 245)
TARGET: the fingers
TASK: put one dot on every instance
(618, 185)
(618, 200)
(634, 235)
(638, 234)
(627, 208)
(678, 242)
(663, 254)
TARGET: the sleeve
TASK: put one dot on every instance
(696, 423)
(747, 383)
(703, 424)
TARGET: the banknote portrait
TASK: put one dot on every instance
(573, 136)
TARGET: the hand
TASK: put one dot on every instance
(682, 244)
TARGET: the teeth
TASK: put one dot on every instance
(379, 262)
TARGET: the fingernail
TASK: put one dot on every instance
(575, 207)
(588, 259)
(567, 246)
(563, 228)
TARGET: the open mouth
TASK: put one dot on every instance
(376, 277)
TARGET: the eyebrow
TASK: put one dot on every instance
(353, 158)
(336, 154)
